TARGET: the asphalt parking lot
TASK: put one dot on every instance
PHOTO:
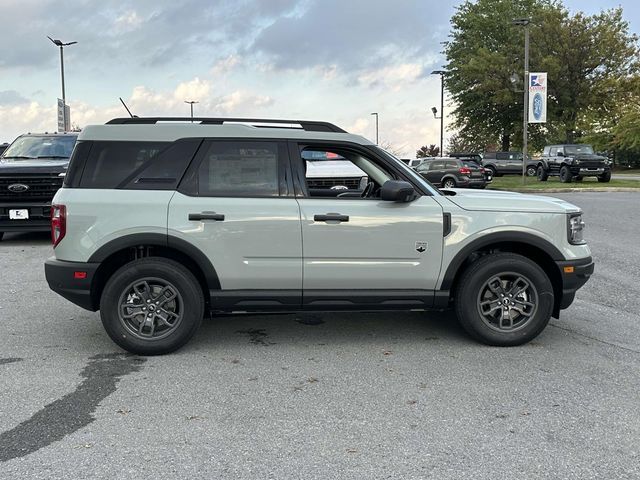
(400, 395)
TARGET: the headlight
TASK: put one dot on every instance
(576, 161)
(576, 229)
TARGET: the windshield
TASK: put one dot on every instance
(575, 149)
(410, 173)
(28, 147)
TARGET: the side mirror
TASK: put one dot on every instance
(560, 154)
(397, 191)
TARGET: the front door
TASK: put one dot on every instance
(355, 244)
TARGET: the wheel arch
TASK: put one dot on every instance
(528, 245)
(120, 251)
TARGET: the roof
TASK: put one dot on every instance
(171, 129)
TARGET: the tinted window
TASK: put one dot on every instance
(450, 165)
(110, 163)
(163, 171)
(436, 166)
(502, 156)
(238, 169)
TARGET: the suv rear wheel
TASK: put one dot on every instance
(542, 174)
(152, 306)
(504, 299)
(449, 183)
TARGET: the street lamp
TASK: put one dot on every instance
(435, 110)
(376, 114)
(191, 102)
(525, 22)
(60, 44)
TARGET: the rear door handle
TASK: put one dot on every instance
(331, 217)
(218, 217)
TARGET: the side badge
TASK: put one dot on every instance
(421, 246)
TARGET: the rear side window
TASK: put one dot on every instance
(110, 163)
(436, 166)
(233, 169)
(451, 165)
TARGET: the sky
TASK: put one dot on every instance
(331, 60)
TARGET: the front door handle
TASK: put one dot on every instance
(218, 217)
(331, 217)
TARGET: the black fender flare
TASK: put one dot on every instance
(495, 238)
(160, 240)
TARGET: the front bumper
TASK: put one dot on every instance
(575, 274)
(63, 279)
(38, 221)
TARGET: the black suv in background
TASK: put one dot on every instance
(572, 162)
(508, 163)
(452, 173)
(32, 169)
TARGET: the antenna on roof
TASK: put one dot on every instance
(127, 108)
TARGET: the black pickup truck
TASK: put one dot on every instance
(32, 169)
(572, 162)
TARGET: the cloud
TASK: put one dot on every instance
(11, 97)
(392, 76)
(225, 65)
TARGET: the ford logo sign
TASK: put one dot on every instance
(18, 187)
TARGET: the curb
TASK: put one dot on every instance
(567, 190)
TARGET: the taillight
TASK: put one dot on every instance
(464, 171)
(481, 170)
(58, 223)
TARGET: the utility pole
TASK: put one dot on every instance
(442, 74)
(524, 22)
(60, 44)
(191, 102)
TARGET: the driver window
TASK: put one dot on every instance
(337, 173)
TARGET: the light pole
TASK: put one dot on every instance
(442, 74)
(60, 44)
(524, 22)
(191, 102)
(376, 114)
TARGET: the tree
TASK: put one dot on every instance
(391, 148)
(428, 151)
(588, 59)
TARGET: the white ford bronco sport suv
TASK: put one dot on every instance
(159, 223)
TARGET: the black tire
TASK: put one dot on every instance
(531, 171)
(565, 174)
(492, 170)
(542, 174)
(605, 177)
(449, 183)
(470, 299)
(155, 272)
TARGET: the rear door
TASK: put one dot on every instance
(236, 205)
(435, 172)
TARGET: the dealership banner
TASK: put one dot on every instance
(538, 97)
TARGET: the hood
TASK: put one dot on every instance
(36, 165)
(588, 156)
(333, 169)
(499, 201)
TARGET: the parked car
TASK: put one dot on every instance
(329, 174)
(572, 162)
(415, 162)
(508, 163)
(453, 173)
(158, 223)
(476, 158)
(31, 171)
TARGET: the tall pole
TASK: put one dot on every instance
(442, 114)
(376, 114)
(64, 99)
(525, 123)
(191, 102)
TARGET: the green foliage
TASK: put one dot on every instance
(592, 64)
(428, 151)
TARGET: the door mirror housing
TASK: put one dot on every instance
(560, 153)
(397, 191)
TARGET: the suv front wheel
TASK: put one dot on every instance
(542, 174)
(504, 299)
(152, 306)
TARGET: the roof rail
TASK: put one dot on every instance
(310, 126)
